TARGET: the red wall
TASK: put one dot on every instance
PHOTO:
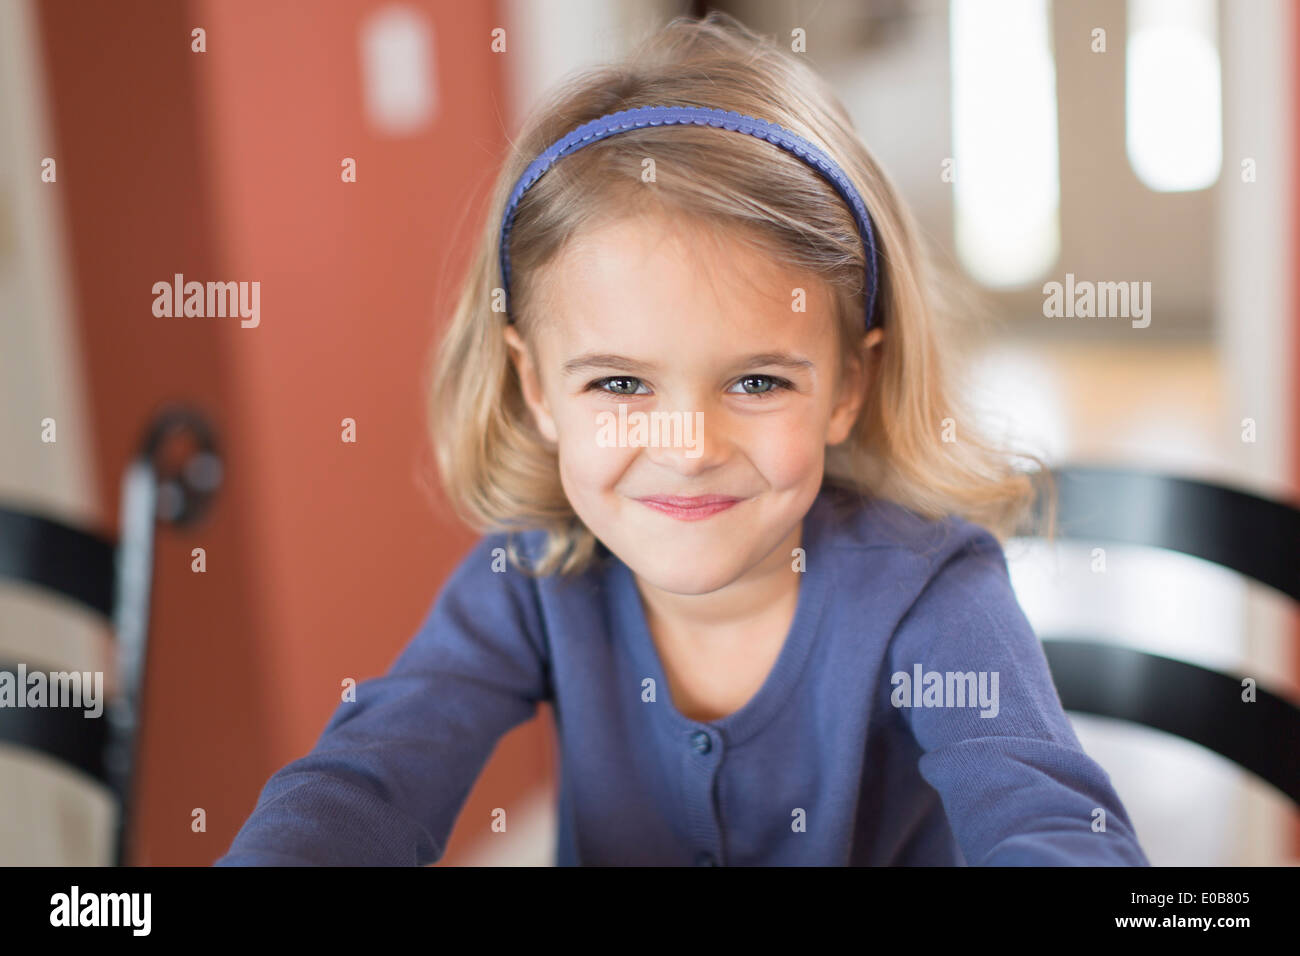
(322, 557)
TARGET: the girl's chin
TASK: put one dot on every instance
(691, 576)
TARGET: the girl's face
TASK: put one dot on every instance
(643, 316)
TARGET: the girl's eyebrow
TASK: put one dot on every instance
(606, 360)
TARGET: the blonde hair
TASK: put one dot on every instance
(499, 473)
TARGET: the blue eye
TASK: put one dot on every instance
(757, 386)
(629, 385)
(765, 385)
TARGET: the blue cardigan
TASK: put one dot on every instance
(882, 734)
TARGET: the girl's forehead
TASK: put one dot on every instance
(685, 338)
(665, 236)
(655, 268)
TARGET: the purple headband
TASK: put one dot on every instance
(645, 116)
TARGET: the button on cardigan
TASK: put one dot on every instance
(909, 719)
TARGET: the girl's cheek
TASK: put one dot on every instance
(589, 460)
(785, 451)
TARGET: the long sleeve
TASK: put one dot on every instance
(1016, 786)
(391, 770)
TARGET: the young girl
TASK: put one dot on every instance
(697, 392)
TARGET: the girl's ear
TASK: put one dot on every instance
(852, 390)
(531, 383)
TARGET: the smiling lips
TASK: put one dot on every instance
(689, 509)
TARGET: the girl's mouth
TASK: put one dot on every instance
(689, 509)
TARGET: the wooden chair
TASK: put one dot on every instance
(113, 578)
(1253, 536)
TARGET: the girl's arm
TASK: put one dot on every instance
(391, 771)
(1017, 787)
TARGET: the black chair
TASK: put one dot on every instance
(172, 480)
(1245, 533)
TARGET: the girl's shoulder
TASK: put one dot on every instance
(519, 555)
(505, 552)
(848, 519)
(888, 556)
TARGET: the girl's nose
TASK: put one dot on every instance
(690, 441)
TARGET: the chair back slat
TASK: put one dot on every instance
(50, 554)
(1245, 533)
(1189, 701)
(64, 733)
